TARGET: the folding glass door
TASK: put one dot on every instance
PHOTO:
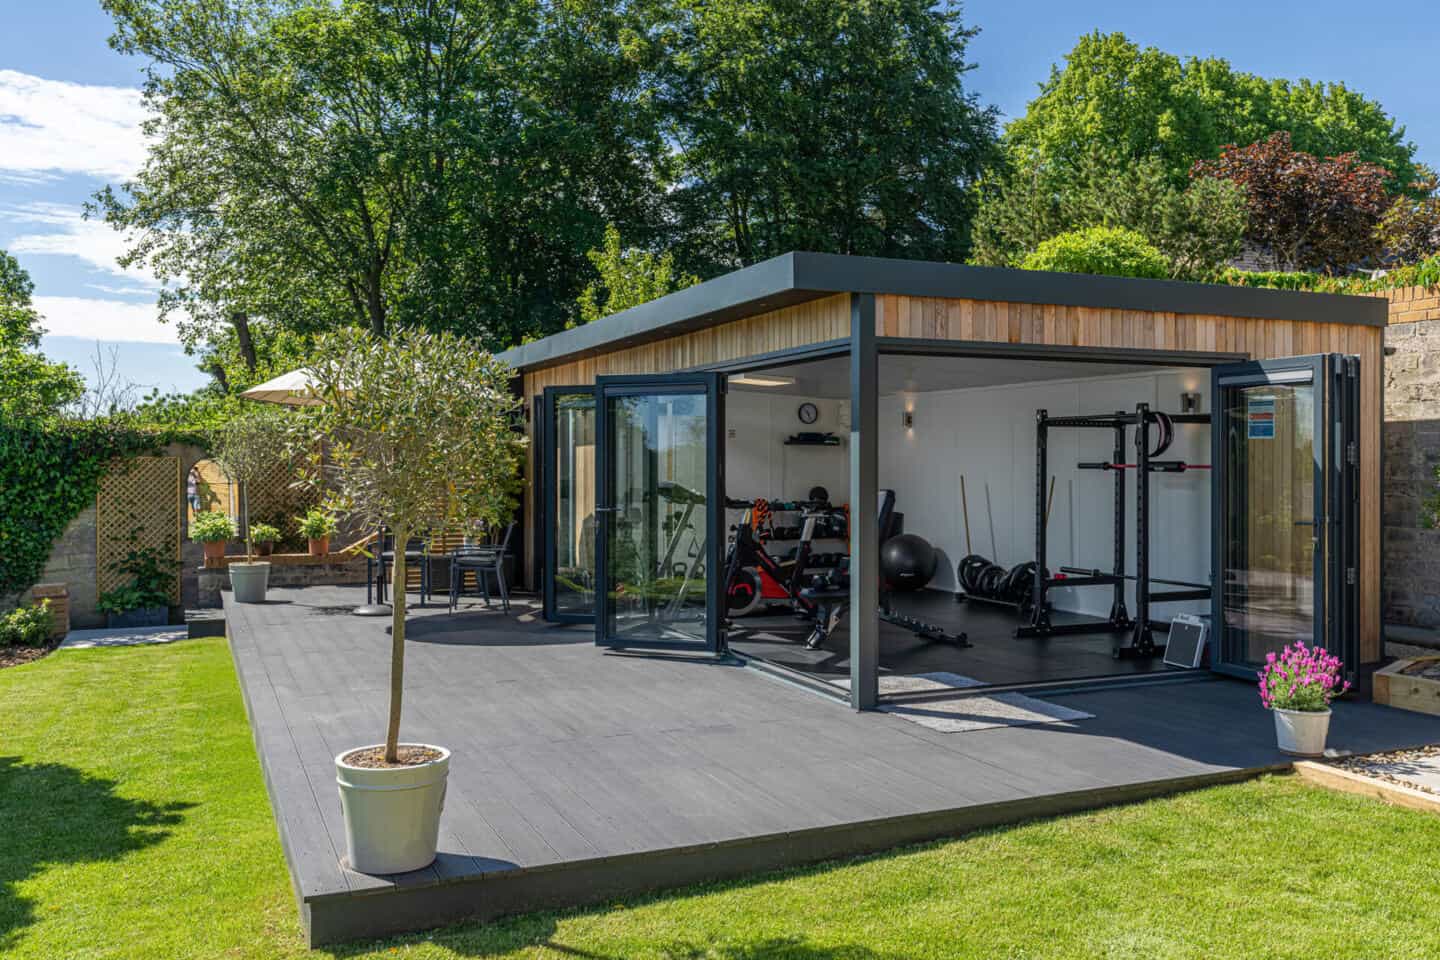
(660, 528)
(567, 439)
(1286, 493)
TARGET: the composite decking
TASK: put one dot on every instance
(579, 775)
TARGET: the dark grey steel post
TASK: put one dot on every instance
(1039, 618)
(864, 504)
(1143, 644)
(1118, 611)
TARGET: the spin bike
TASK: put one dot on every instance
(753, 577)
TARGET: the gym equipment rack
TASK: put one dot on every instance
(1140, 627)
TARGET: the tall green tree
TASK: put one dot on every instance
(628, 278)
(442, 164)
(31, 386)
(841, 126)
(1199, 227)
(1144, 103)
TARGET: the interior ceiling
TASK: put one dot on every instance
(830, 378)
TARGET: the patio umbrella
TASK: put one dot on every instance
(292, 389)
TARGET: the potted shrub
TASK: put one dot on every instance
(1297, 685)
(422, 438)
(248, 447)
(264, 536)
(316, 527)
(212, 530)
(145, 600)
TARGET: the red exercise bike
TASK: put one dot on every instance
(753, 578)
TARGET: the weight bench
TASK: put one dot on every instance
(831, 595)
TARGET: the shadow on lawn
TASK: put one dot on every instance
(56, 814)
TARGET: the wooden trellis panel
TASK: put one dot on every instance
(140, 494)
(276, 499)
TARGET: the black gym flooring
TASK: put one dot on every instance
(994, 657)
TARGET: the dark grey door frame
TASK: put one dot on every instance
(712, 385)
(547, 487)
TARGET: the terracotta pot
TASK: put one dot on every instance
(318, 548)
(264, 548)
(214, 550)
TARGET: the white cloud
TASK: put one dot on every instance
(92, 241)
(97, 319)
(54, 126)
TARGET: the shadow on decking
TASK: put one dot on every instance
(59, 815)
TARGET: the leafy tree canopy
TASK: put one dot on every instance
(1198, 227)
(628, 278)
(436, 165)
(30, 386)
(841, 127)
(1147, 103)
(1306, 212)
(1112, 251)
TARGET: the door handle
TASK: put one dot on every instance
(606, 509)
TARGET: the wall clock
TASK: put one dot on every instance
(808, 413)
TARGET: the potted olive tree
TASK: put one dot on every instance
(421, 438)
(247, 447)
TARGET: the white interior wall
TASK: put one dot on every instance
(988, 436)
(759, 464)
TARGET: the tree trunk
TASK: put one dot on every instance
(217, 370)
(241, 322)
(397, 646)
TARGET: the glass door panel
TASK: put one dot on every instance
(570, 519)
(1269, 567)
(1286, 549)
(660, 538)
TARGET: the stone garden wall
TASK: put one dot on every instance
(1411, 556)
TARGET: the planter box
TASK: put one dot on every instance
(144, 617)
(1410, 685)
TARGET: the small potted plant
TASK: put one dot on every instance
(263, 535)
(212, 530)
(316, 527)
(1297, 685)
(421, 439)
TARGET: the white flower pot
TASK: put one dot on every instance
(249, 580)
(392, 815)
(1302, 732)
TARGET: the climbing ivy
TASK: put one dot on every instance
(49, 473)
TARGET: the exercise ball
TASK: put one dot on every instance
(907, 562)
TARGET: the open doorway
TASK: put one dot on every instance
(958, 456)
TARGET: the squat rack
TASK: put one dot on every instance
(1142, 641)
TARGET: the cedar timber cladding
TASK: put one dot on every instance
(949, 318)
(816, 321)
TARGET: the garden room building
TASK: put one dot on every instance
(849, 471)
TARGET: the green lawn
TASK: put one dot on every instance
(135, 824)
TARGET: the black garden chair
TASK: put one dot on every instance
(379, 564)
(481, 560)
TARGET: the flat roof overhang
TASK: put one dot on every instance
(794, 278)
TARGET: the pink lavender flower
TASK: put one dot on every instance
(1301, 678)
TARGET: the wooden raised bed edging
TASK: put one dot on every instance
(1345, 781)
(1412, 684)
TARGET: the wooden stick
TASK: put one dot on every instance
(965, 509)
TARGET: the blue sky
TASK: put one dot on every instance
(69, 111)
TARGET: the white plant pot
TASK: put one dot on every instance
(392, 815)
(1302, 732)
(249, 580)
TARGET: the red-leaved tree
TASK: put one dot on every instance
(1306, 212)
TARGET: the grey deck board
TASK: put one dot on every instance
(579, 774)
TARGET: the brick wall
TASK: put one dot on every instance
(1412, 453)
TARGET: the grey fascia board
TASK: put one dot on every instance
(797, 277)
(919, 278)
(753, 289)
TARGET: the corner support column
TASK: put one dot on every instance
(864, 498)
